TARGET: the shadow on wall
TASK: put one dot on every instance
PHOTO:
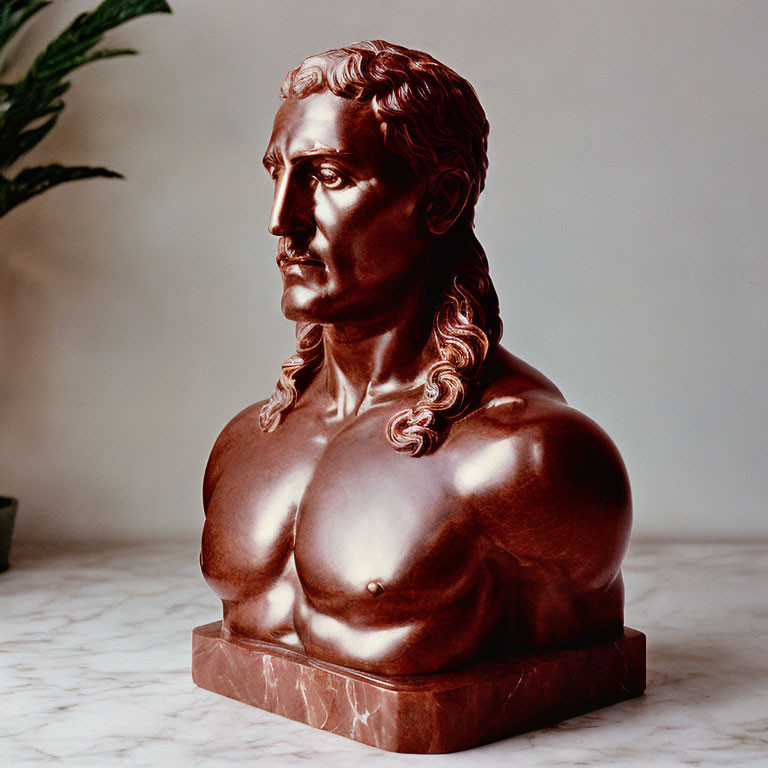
(42, 284)
(26, 337)
(46, 278)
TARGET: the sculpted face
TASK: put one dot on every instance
(347, 212)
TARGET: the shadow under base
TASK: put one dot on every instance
(431, 713)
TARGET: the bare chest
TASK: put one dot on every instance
(347, 517)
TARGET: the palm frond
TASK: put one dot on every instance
(35, 181)
(30, 107)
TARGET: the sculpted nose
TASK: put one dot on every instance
(291, 209)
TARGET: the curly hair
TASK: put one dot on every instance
(432, 117)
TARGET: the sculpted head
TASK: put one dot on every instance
(428, 163)
(427, 114)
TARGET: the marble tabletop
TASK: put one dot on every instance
(95, 656)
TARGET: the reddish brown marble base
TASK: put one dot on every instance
(434, 713)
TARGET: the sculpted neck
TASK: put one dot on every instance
(365, 363)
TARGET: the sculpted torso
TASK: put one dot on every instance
(321, 537)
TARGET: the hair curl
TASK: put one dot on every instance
(432, 117)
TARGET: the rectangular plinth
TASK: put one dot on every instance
(432, 713)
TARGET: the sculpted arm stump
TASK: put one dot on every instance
(553, 492)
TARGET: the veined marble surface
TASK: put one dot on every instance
(95, 656)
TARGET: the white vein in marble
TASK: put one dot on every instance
(95, 656)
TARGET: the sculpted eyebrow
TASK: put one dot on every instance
(271, 159)
(349, 159)
(336, 154)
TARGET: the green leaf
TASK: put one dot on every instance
(25, 104)
(34, 181)
(109, 53)
(65, 52)
(14, 14)
(25, 141)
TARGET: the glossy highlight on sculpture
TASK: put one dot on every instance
(416, 541)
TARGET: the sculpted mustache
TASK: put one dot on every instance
(287, 253)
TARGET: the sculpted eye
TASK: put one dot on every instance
(329, 177)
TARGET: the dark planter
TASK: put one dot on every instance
(7, 516)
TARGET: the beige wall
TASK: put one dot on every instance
(624, 219)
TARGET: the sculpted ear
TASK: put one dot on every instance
(449, 194)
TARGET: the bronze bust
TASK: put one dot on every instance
(412, 500)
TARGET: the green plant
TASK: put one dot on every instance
(30, 107)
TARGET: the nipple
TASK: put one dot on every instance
(375, 588)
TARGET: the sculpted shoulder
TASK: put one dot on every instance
(240, 432)
(547, 481)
